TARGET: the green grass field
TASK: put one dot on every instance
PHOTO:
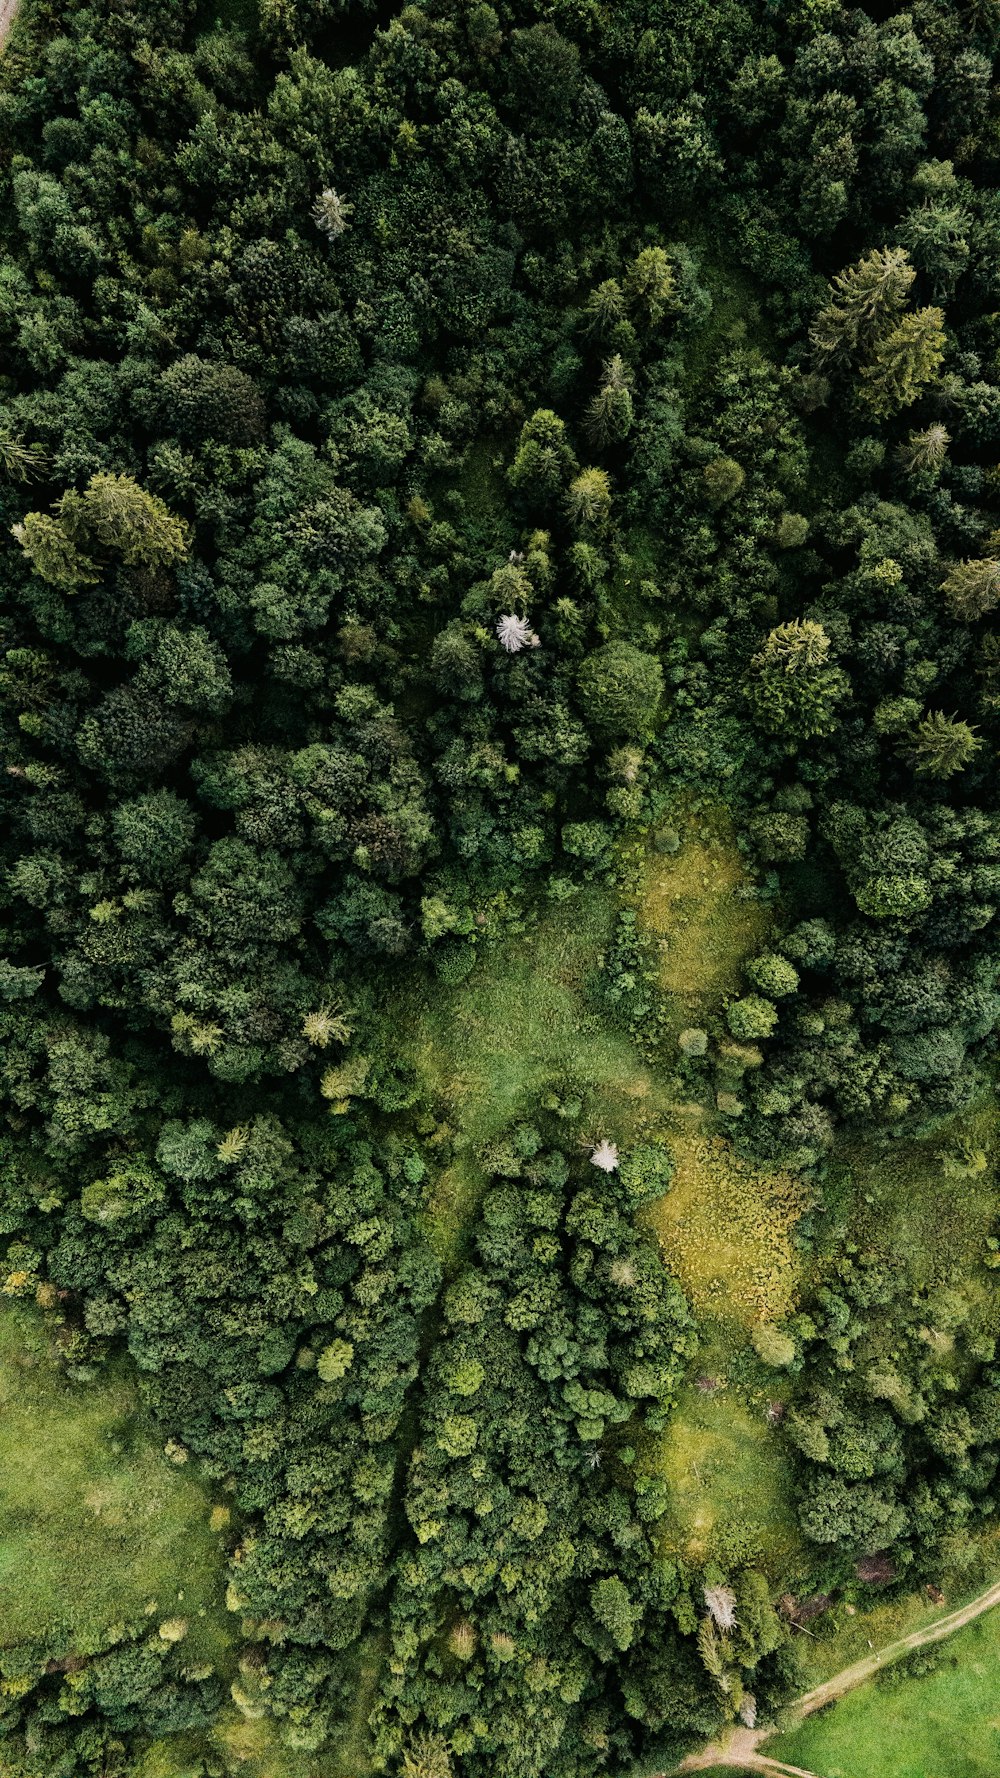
(97, 1527)
(727, 1467)
(942, 1724)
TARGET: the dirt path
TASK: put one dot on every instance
(741, 1747)
(7, 11)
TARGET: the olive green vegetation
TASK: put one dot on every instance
(909, 1203)
(97, 1527)
(726, 1464)
(524, 1018)
(698, 906)
(526, 1013)
(488, 1047)
(934, 1715)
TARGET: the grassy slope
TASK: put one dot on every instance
(725, 1228)
(96, 1526)
(945, 1724)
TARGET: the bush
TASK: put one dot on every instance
(773, 975)
(620, 689)
(751, 1017)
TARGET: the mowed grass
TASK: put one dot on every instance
(943, 1724)
(97, 1527)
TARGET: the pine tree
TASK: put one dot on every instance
(903, 362)
(943, 745)
(330, 213)
(792, 688)
(588, 500)
(972, 588)
(609, 416)
(925, 451)
(866, 298)
(650, 286)
(52, 553)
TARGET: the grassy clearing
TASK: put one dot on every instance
(725, 1228)
(730, 1486)
(521, 1020)
(96, 1526)
(697, 907)
(518, 1023)
(898, 1202)
(942, 1724)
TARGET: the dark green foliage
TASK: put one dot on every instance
(434, 444)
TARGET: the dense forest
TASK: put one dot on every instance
(441, 448)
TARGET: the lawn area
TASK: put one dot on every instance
(942, 1724)
(97, 1527)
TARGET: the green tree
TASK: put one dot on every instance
(620, 689)
(943, 745)
(903, 362)
(793, 689)
(609, 417)
(52, 553)
(866, 301)
(588, 498)
(544, 460)
(614, 1610)
(972, 588)
(650, 286)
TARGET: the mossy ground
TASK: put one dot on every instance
(725, 1228)
(97, 1527)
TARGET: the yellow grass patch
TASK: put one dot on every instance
(694, 904)
(725, 1230)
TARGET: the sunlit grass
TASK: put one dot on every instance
(728, 1467)
(725, 1229)
(943, 1724)
(697, 906)
(522, 1019)
(97, 1527)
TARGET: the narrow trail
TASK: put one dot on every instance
(741, 1748)
(7, 11)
